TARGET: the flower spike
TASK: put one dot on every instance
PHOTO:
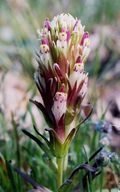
(61, 78)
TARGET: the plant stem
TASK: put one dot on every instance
(59, 172)
(65, 163)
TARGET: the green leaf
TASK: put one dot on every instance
(43, 110)
(60, 149)
(37, 187)
(69, 139)
(42, 136)
(11, 176)
(40, 144)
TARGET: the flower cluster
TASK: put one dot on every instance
(61, 78)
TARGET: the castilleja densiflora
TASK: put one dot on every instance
(61, 79)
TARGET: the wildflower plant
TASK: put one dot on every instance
(62, 83)
(61, 79)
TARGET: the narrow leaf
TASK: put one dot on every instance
(42, 136)
(43, 110)
(37, 187)
(11, 176)
(40, 144)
